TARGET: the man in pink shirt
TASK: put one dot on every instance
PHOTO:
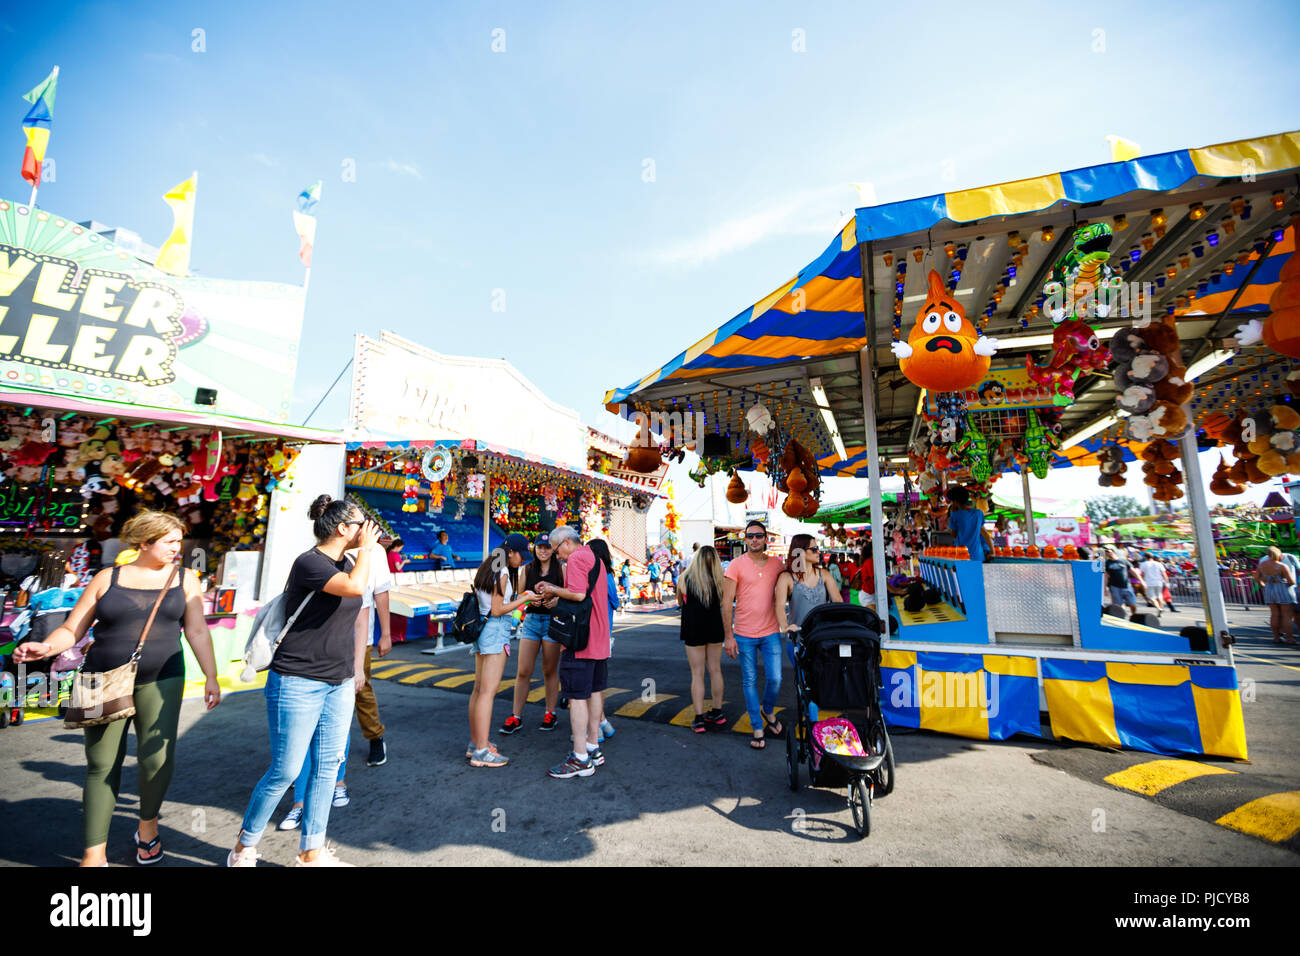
(583, 674)
(750, 585)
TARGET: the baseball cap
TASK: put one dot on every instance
(543, 540)
(516, 542)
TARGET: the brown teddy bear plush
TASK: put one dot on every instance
(1162, 337)
(1112, 465)
(1165, 420)
(1174, 390)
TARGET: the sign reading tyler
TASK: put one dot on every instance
(98, 322)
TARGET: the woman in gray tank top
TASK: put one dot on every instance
(804, 583)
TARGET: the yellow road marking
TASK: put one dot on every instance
(388, 670)
(505, 684)
(613, 692)
(628, 627)
(421, 675)
(639, 706)
(1155, 775)
(1264, 660)
(743, 726)
(1275, 817)
(536, 696)
(687, 714)
(456, 681)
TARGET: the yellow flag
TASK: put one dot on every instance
(1122, 149)
(175, 254)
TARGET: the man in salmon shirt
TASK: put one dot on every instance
(584, 674)
(750, 584)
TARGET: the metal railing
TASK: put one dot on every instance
(1237, 589)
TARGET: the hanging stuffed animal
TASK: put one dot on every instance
(944, 352)
(1222, 484)
(1082, 284)
(1281, 330)
(974, 452)
(1113, 467)
(1075, 350)
(1038, 446)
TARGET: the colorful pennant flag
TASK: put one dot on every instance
(306, 229)
(309, 197)
(305, 224)
(37, 124)
(174, 256)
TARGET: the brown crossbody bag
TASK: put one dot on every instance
(105, 696)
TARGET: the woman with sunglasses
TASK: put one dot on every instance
(805, 584)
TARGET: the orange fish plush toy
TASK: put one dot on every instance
(944, 352)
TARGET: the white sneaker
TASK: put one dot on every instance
(326, 857)
(292, 820)
(247, 857)
(341, 798)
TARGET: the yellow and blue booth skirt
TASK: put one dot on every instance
(1173, 708)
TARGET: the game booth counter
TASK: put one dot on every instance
(478, 493)
(1086, 317)
(123, 387)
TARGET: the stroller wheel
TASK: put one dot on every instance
(4, 718)
(792, 762)
(885, 772)
(860, 804)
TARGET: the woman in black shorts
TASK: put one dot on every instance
(699, 594)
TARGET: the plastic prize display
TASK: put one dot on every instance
(1054, 266)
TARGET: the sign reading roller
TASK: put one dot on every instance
(82, 317)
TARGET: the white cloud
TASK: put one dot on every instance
(406, 169)
(813, 213)
(263, 159)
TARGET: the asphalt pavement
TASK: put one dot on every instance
(669, 797)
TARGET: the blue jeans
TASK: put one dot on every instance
(304, 775)
(750, 647)
(309, 721)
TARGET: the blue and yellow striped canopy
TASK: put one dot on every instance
(820, 311)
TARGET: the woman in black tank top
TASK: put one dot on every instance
(118, 601)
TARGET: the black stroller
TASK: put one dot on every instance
(837, 666)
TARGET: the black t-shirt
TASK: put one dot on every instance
(321, 645)
(1117, 573)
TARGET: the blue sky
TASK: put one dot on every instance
(523, 170)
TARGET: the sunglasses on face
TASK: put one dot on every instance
(763, 535)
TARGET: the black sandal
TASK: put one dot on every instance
(758, 743)
(152, 851)
(773, 727)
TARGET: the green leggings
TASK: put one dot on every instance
(157, 713)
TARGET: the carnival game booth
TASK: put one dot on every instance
(416, 489)
(123, 387)
(1110, 291)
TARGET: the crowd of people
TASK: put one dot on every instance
(334, 618)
